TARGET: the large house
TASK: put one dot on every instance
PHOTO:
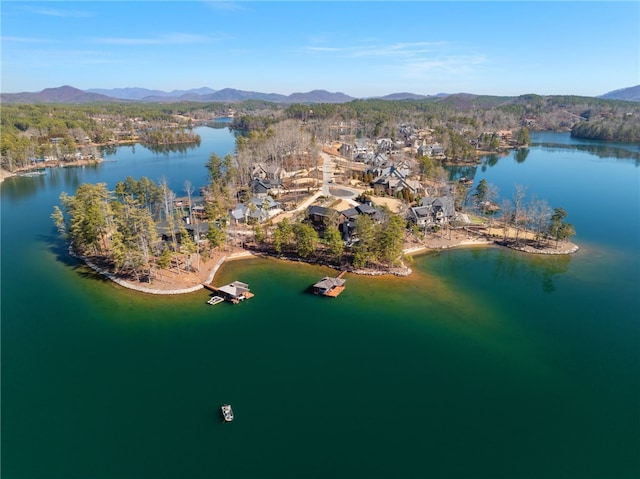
(268, 172)
(345, 220)
(433, 211)
(349, 217)
(319, 216)
(263, 187)
(394, 179)
(258, 209)
(433, 150)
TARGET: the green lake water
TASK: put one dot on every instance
(484, 363)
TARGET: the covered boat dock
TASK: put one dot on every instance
(329, 286)
(232, 292)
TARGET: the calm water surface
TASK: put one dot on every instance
(485, 363)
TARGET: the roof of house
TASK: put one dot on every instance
(199, 227)
(328, 282)
(444, 203)
(422, 211)
(366, 209)
(316, 210)
(234, 289)
(350, 213)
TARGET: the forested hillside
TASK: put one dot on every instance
(32, 131)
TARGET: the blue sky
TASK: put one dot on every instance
(358, 48)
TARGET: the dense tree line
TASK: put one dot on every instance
(37, 130)
(379, 243)
(625, 129)
(168, 136)
(120, 228)
(27, 129)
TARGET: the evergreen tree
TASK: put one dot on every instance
(558, 228)
(523, 137)
(333, 241)
(306, 239)
(390, 239)
(89, 213)
(364, 249)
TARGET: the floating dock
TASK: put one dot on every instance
(329, 286)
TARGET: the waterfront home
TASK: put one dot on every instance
(319, 216)
(433, 211)
(197, 231)
(349, 217)
(258, 209)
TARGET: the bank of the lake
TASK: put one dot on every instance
(484, 363)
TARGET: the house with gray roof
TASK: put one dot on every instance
(263, 187)
(258, 209)
(349, 217)
(319, 215)
(433, 211)
(265, 171)
(395, 179)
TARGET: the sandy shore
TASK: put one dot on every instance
(173, 282)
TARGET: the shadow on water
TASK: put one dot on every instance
(60, 249)
(17, 188)
(172, 148)
(620, 152)
(521, 155)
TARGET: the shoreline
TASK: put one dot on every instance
(435, 244)
(24, 170)
(158, 291)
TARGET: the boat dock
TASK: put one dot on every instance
(329, 286)
(232, 292)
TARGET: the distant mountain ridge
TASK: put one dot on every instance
(63, 94)
(627, 94)
(142, 93)
(69, 94)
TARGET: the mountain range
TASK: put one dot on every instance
(629, 94)
(69, 94)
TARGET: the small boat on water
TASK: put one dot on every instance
(215, 300)
(227, 412)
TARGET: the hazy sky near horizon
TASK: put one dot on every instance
(359, 48)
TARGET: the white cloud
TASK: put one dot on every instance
(25, 40)
(394, 50)
(226, 6)
(54, 12)
(170, 39)
(453, 64)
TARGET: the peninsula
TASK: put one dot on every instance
(188, 271)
